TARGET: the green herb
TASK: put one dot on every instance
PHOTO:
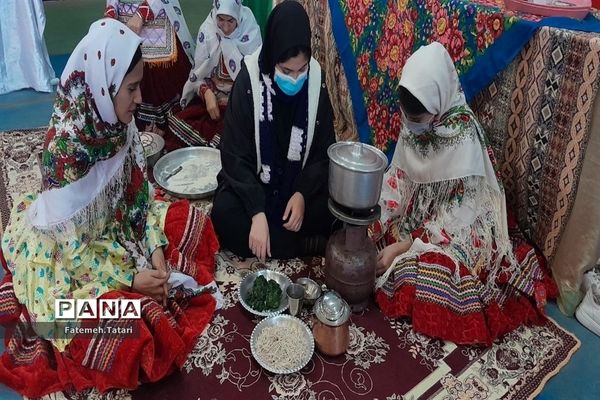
(264, 295)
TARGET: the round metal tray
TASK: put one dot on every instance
(282, 320)
(206, 165)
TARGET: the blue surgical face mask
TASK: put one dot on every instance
(418, 127)
(289, 85)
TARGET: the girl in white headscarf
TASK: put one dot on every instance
(229, 33)
(96, 231)
(448, 261)
(168, 50)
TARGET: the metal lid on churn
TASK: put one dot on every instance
(331, 309)
(357, 156)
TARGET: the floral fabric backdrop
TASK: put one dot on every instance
(384, 33)
(376, 37)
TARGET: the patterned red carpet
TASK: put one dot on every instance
(386, 359)
(19, 167)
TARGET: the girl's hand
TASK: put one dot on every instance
(150, 283)
(294, 213)
(160, 264)
(388, 254)
(259, 240)
(212, 106)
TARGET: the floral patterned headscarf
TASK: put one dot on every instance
(93, 164)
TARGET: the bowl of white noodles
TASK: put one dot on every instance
(282, 344)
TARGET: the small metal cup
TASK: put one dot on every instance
(295, 293)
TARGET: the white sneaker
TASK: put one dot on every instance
(591, 281)
(588, 313)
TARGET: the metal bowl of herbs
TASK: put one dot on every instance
(263, 292)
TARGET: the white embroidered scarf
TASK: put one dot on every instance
(90, 158)
(444, 179)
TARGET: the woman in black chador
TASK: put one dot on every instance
(272, 194)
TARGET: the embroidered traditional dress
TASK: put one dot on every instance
(275, 145)
(91, 229)
(168, 50)
(463, 279)
(217, 62)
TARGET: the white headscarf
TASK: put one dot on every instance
(103, 55)
(212, 42)
(429, 75)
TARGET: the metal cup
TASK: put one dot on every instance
(295, 293)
